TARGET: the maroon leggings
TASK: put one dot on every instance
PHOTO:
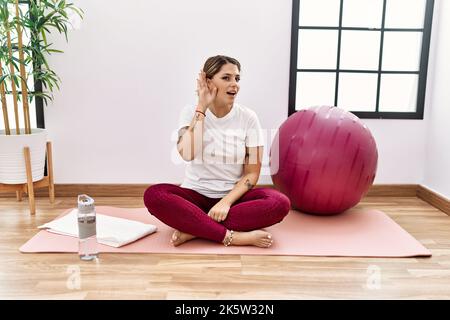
(186, 210)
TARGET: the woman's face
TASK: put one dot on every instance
(227, 83)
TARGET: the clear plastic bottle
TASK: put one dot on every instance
(87, 230)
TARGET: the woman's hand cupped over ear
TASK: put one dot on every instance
(206, 92)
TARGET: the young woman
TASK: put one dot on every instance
(222, 142)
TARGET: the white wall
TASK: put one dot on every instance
(130, 69)
(437, 165)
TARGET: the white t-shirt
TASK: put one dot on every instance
(220, 166)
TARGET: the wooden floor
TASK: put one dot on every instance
(167, 276)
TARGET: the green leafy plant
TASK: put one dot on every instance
(41, 18)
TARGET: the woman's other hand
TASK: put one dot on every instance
(220, 211)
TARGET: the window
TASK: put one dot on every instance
(36, 108)
(369, 57)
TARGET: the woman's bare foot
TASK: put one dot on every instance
(258, 238)
(179, 237)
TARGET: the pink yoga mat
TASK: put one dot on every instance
(355, 233)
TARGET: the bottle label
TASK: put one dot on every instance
(86, 227)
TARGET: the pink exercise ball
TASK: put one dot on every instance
(324, 159)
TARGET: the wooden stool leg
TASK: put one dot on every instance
(51, 186)
(30, 190)
(19, 195)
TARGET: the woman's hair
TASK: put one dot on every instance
(213, 65)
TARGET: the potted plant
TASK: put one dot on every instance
(23, 65)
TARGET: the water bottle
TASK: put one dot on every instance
(87, 231)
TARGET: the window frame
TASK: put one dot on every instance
(423, 64)
(38, 101)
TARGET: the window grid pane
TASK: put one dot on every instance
(395, 13)
(360, 50)
(317, 49)
(401, 51)
(398, 92)
(357, 91)
(319, 13)
(362, 13)
(315, 88)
